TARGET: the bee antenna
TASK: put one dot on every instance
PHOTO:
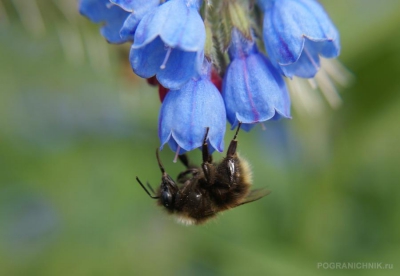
(141, 184)
(237, 130)
(159, 162)
(150, 188)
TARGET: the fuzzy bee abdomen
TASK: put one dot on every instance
(194, 206)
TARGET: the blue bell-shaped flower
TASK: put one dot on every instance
(296, 33)
(169, 43)
(186, 113)
(252, 89)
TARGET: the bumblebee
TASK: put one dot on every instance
(200, 193)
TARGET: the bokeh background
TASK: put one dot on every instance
(76, 128)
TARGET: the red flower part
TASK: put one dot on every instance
(216, 79)
(162, 92)
(153, 81)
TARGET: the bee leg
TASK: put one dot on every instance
(182, 177)
(166, 179)
(141, 184)
(190, 169)
(231, 154)
(209, 173)
(233, 145)
(206, 155)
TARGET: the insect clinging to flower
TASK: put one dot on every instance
(201, 192)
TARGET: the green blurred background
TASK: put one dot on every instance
(76, 128)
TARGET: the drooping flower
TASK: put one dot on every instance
(169, 43)
(252, 89)
(138, 9)
(169, 46)
(103, 11)
(186, 113)
(296, 33)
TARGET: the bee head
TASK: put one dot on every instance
(168, 191)
(168, 187)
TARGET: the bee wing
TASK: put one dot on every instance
(255, 195)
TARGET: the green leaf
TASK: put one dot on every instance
(239, 18)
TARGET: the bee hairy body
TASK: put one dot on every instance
(200, 193)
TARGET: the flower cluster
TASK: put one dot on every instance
(189, 48)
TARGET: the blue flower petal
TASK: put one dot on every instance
(327, 27)
(181, 67)
(128, 29)
(135, 5)
(127, 5)
(178, 25)
(183, 29)
(103, 11)
(146, 31)
(146, 61)
(111, 33)
(138, 9)
(306, 66)
(174, 147)
(95, 10)
(186, 113)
